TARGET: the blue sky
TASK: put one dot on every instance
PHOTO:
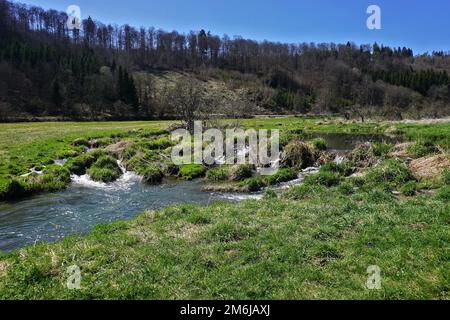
(423, 25)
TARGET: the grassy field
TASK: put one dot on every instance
(314, 241)
(23, 145)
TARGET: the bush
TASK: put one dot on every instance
(217, 174)
(241, 172)
(320, 144)
(105, 169)
(152, 174)
(282, 175)
(191, 171)
(409, 189)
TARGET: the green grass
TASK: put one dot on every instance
(23, 145)
(422, 148)
(218, 174)
(319, 144)
(191, 171)
(152, 174)
(314, 241)
(105, 169)
(282, 175)
(241, 172)
(269, 249)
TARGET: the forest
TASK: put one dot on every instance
(110, 72)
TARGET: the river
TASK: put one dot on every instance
(52, 216)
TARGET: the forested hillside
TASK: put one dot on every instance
(120, 72)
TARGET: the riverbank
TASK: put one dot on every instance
(26, 148)
(309, 244)
(383, 206)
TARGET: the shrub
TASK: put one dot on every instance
(191, 171)
(241, 172)
(152, 174)
(282, 175)
(217, 174)
(105, 169)
(320, 144)
(409, 189)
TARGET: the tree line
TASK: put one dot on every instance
(47, 69)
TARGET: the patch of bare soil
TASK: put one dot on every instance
(429, 167)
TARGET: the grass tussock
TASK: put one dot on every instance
(105, 169)
(192, 171)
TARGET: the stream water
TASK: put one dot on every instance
(52, 216)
